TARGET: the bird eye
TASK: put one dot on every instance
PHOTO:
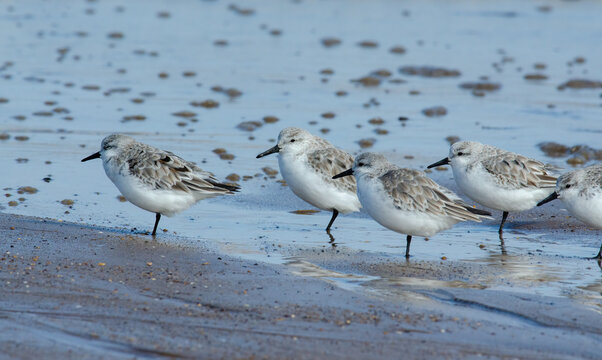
(568, 186)
(361, 164)
(292, 140)
(460, 153)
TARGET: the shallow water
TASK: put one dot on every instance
(75, 73)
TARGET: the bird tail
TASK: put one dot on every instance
(229, 187)
(482, 213)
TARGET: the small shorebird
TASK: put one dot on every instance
(156, 180)
(308, 163)
(406, 200)
(497, 178)
(581, 193)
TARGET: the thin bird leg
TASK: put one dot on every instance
(331, 242)
(157, 218)
(335, 213)
(408, 241)
(504, 216)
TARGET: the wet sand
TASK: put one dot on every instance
(73, 291)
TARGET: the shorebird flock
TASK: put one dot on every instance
(404, 200)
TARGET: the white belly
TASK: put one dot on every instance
(480, 186)
(587, 210)
(164, 202)
(313, 188)
(382, 209)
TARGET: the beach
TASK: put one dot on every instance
(73, 291)
(254, 274)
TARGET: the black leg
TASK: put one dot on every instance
(504, 216)
(408, 241)
(331, 242)
(335, 213)
(157, 218)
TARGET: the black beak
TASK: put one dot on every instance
(344, 173)
(439, 163)
(552, 196)
(269, 151)
(91, 157)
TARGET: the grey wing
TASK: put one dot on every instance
(411, 190)
(516, 171)
(330, 162)
(167, 171)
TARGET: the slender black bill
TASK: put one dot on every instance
(269, 151)
(439, 163)
(552, 196)
(344, 173)
(92, 157)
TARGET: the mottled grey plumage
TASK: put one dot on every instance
(308, 163)
(515, 171)
(163, 170)
(329, 161)
(587, 182)
(510, 170)
(581, 193)
(411, 190)
(497, 178)
(156, 180)
(406, 200)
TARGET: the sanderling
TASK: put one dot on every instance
(406, 200)
(581, 193)
(308, 163)
(498, 179)
(156, 180)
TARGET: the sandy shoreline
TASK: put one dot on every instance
(246, 276)
(72, 291)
